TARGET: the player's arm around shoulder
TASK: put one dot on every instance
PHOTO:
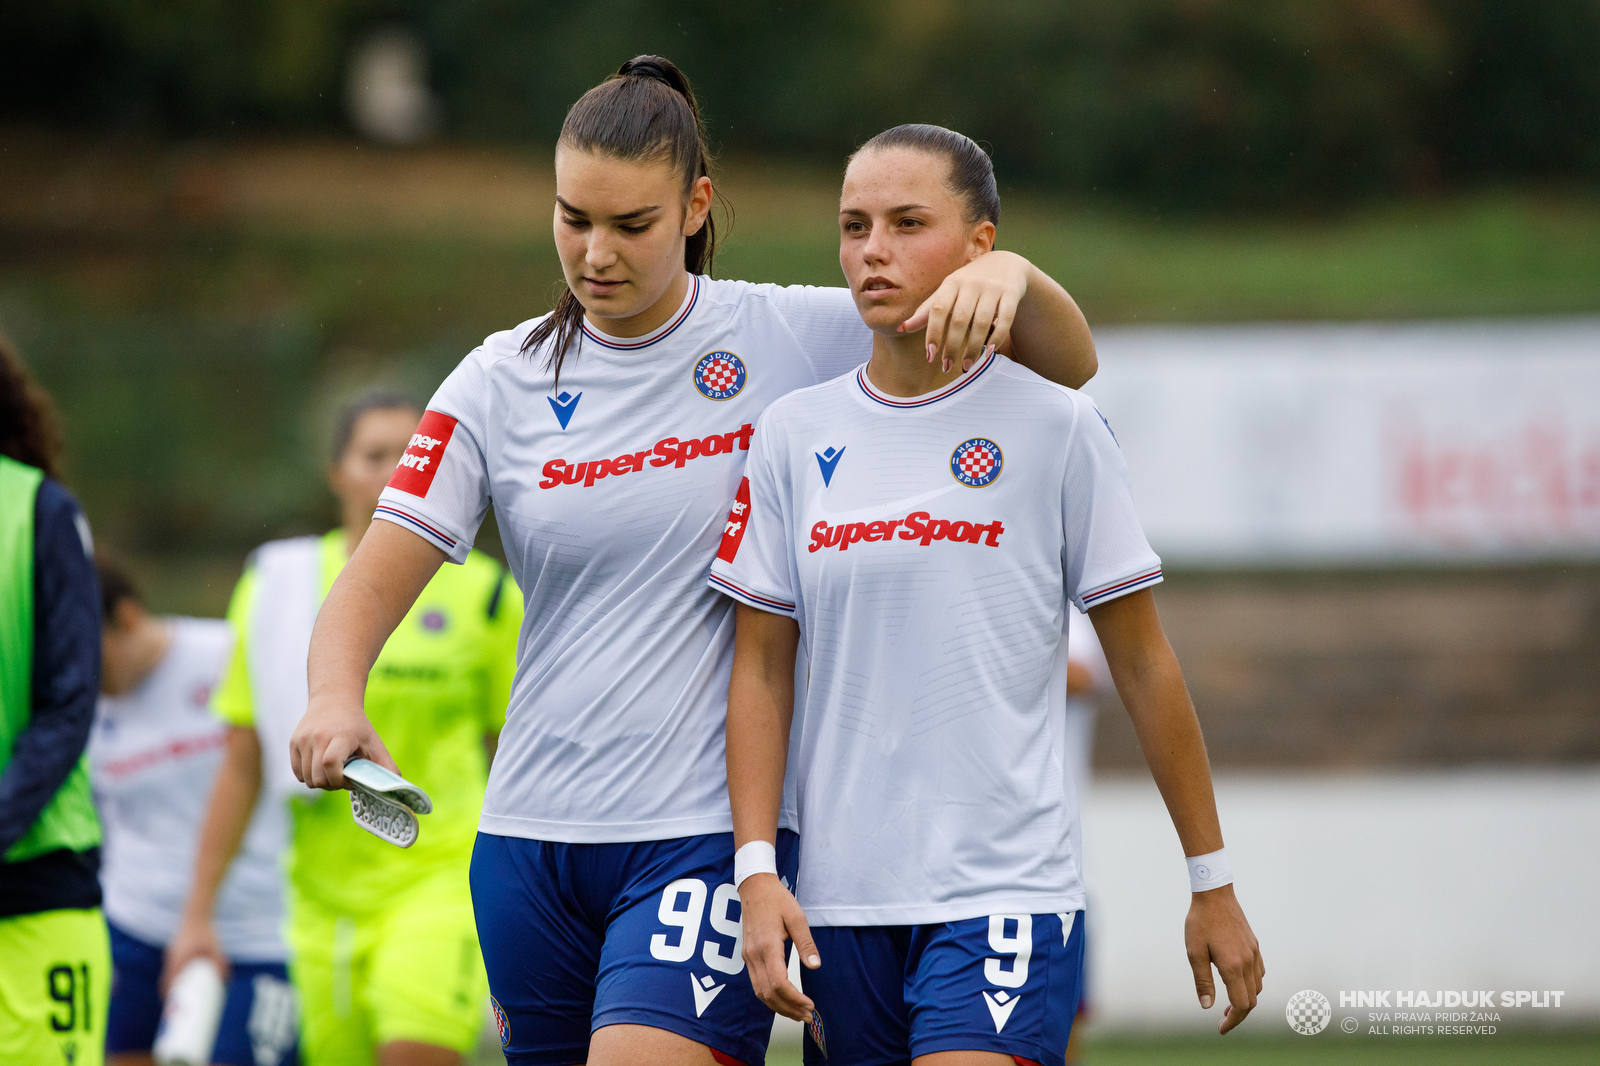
(1000, 299)
(1147, 676)
(370, 597)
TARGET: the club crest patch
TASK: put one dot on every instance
(502, 1026)
(818, 1037)
(719, 375)
(976, 462)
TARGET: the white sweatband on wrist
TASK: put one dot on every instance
(756, 857)
(1209, 871)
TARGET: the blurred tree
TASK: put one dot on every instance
(184, 64)
(1525, 90)
(1197, 103)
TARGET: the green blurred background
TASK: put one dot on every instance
(200, 256)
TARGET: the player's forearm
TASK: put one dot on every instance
(760, 708)
(1050, 336)
(1150, 682)
(368, 600)
(1169, 733)
(233, 800)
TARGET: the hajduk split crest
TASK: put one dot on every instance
(976, 462)
(719, 375)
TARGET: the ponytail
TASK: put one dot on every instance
(646, 110)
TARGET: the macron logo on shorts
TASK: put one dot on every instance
(738, 519)
(414, 473)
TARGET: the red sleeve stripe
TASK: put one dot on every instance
(766, 603)
(1149, 577)
(405, 518)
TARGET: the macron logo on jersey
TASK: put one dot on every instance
(563, 406)
(917, 526)
(416, 468)
(738, 519)
(828, 461)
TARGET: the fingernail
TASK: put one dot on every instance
(813, 960)
(1205, 1002)
(930, 353)
(988, 349)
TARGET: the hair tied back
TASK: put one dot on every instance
(645, 111)
(657, 68)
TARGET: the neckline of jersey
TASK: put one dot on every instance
(907, 402)
(633, 344)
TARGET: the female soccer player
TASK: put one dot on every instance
(155, 749)
(604, 435)
(55, 960)
(923, 533)
(383, 950)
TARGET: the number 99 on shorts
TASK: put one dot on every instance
(684, 908)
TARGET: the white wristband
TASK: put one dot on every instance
(1209, 871)
(756, 857)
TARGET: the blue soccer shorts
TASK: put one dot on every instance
(887, 993)
(258, 1018)
(580, 936)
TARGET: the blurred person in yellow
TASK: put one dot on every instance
(55, 953)
(383, 950)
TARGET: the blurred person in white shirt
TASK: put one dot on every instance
(153, 752)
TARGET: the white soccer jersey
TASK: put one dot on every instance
(928, 548)
(610, 492)
(153, 756)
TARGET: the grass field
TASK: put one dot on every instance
(1326, 1049)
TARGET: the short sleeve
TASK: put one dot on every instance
(233, 701)
(440, 489)
(504, 623)
(1106, 553)
(753, 563)
(826, 323)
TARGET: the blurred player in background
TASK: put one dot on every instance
(1088, 676)
(936, 819)
(154, 756)
(383, 951)
(55, 959)
(605, 435)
